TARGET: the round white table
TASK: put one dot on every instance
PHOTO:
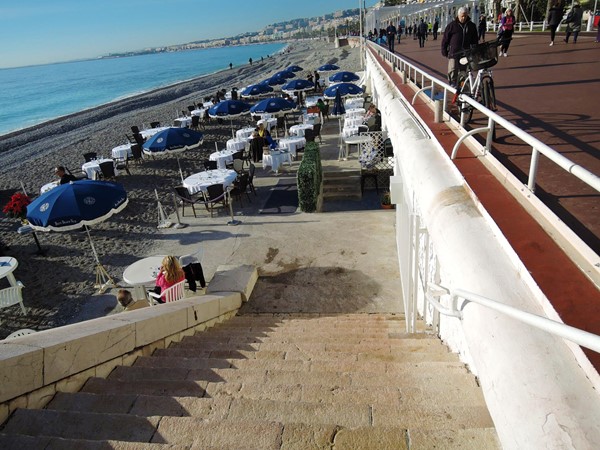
(121, 151)
(200, 181)
(142, 274)
(292, 144)
(49, 186)
(353, 121)
(151, 131)
(222, 157)
(7, 266)
(354, 140)
(182, 122)
(298, 130)
(275, 159)
(244, 133)
(236, 144)
(353, 112)
(92, 168)
(269, 123)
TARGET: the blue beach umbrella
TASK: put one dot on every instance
(75, 205)
(298, 85)
(173, 140)
(255, 90)
(287, 74)
(328, 68)
(294, 69)
(228, 109)
(273, 105)
(345, 89)
(344, 77)
(275, 80)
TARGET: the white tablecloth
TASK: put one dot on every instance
(269, 123)
(349, 131)
(199, 112)
(354, 102)
(182, 122)
(292, 144)
(298, 130)
(312, 118)
(92, 168)
(244, 133)
(276, 159)
(353, 112)
(200, 181)
(222, 157)
(49, 186)
(236, 144)
(151, 132)
(352, 121)
(121, 151)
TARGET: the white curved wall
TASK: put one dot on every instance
(537, 393)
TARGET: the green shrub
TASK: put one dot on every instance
(309, 177)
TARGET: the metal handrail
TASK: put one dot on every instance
(537, 146)
(573, 334)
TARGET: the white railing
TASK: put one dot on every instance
(422, 78)
(576, 335)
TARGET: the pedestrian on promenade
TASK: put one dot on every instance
(436, 27)
(555, 14)
(422, 33)
(459, 35)
(481, 28)
(507, 26)
(573, 21)
(391, 36)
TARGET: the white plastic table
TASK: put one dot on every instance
(142, 274)
(182, 122)
(7, 266)
(200, 181)
(354, 140)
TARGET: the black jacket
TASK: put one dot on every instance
(458, 36)
(554, 15)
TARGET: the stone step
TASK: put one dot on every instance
(345, 357)
(349, 180)
(169, 388)
(345, 173)
(20, 441)
(186, 377)
(233, 332)
(287, 318)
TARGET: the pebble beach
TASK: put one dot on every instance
(59, 283)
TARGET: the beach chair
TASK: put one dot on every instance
(90, 156)
(215, 195)
(136, 152)
(240, 187)
(78, 174)
(107, 170)
(154, 124)
(251, 171)
(12, 296)
(135, 129)
(195, 122)
(210, 165)
(185, 198)
(172, 294)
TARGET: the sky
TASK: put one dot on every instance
(39, 32)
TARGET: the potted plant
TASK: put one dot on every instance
(17, 206)
(386, 200)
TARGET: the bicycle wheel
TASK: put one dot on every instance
(488, 94)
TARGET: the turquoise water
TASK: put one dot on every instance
(34, 94)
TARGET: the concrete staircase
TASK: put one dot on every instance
(293, 381)
(341, 185)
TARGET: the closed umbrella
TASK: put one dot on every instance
(173, 140)
(79, 204)
(339, 110)
(344, 77)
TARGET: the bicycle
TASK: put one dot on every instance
(480, 87)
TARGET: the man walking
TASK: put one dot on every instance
(391, 36)
(460, 34)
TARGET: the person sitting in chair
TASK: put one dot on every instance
(63, 175)
(170, 273)
(373, 118)
(126, 300)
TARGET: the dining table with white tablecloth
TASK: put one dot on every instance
(92, 168)
(245, 133)
(122, 151)
(298, 130)
(292, 144)
(222, 157)
(269, 123)
(199, 182)
(355, 112)
(199, 112)
(353, 121)
(354, 102)
(236, 144)
(276, 158)
(149, 132)
(312, 118)
(49, 186)
(182, 122)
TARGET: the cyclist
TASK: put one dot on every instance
(460, 34)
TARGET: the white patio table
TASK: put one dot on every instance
(198, 182)
(142, 274)
(7, 266)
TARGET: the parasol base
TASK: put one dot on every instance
(179, 225)
(103, 279)
(234, 222)
(165, 224)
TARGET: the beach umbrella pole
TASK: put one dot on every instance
(179, 165)
(233, 221)
(103, 279)
(178, 224)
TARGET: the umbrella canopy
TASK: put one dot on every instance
(328, 68)
(285, 74)
(73, 205)
(273, 105)
(173, 140)
(344, 77)
(294, 69)
(256, 89)
(345, 89)
(275, 80)
(228, 109)
(338, 105)
(298, 85)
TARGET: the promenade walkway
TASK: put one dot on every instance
(552, 93)
(562, 121)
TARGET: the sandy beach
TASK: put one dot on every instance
(59, 284)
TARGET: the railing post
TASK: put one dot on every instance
(535, 155)
(490, 135)
(438, 112)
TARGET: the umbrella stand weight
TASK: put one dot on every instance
(178, 224)
(103, 279)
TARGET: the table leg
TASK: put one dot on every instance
(11, 279)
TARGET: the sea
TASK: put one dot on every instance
(35, 94)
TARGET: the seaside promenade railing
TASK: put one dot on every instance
(434, 86)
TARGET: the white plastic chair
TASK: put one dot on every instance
(19, 333)
(12, 296)
(172, 294)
